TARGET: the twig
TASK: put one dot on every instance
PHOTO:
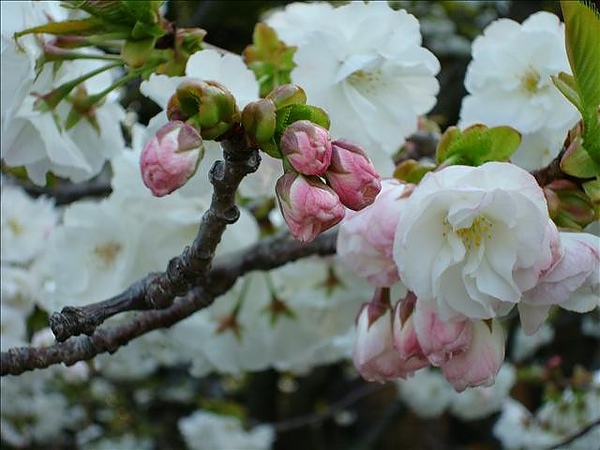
(344, 402)
(589, 427)
(158, 290)
(265, 255)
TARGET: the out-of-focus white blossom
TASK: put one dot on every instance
(36, 139)
(427, 393)
(481, 401)
(25, 224)
(509, 83)
(524, 345)
(554, 422)
(209, 431)
(33, 411)
(364, 64)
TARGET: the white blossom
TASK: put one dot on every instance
(479, 402)
(366, 67)
(25, 224)
(473, 239)
(427, 393)
(38, 140)
(509, 83)
(209, 431)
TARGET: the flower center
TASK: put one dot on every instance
(473, 236)
(530, 80)
(16, 227)
(107, 253)
(365, 81)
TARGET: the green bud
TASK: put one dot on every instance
(259, 119)
(288, 94)
(208, 105)
(574, 208)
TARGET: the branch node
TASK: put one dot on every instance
(71, 321)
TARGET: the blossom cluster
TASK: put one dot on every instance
(470, 247)
(325, 178)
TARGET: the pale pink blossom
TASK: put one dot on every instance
(171, 157)
(481, 361)
(308, 205)
(440, 340)
(352, 175)
(572, 282)
(374, 354)
(307, 146)
(366, 237)
(473, 239)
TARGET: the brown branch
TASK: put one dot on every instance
(158, 290)
(265, 255)
(569, 440)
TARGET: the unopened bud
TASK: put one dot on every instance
(307, 147)
(171, 157)
(206, 104)
(259, 120)
(575, 209)
(287, 94)
(308, 205)
(352, 175)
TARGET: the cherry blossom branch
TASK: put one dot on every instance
(158, 290)
(264, 255)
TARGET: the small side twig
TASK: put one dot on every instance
(569, 440)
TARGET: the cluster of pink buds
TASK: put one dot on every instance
(395, 342)
(322, 179)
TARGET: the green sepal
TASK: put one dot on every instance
(412, 171)
(292, 113)
(135, 52)
(477, 145)
(592, 189)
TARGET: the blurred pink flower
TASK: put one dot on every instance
(366, 237)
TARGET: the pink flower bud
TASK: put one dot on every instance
(171, 157)
(366, 237)
(307, 147)
(405, 338)
(479, 364)
(352, 175)
(374, 354)
(440, 339)
(309, 207)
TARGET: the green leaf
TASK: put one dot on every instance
(83, 27)
(477, 145)
(582, 37)
(565, 83)
(577, 162)
(412, 171)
